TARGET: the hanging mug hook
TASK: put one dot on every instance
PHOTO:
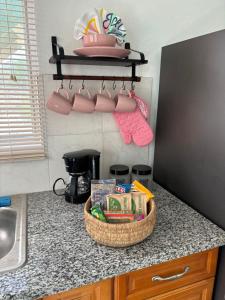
(83, 86)
(61, 87)
(70, 85)
(123, 86)
(103, 85)
(132, 86)
(114, 84)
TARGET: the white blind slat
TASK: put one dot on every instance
(12, 33)
(21, 144)
(30, 126)
(14, 135)
(20, 124)
(6, 158)
(21, 89)
(20, 84)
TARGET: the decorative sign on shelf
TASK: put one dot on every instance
(100, 21)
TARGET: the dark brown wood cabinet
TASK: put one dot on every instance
(186, 278)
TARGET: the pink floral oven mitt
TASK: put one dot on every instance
(133, 126)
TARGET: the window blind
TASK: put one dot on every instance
(21, 88)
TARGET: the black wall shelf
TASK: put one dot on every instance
(106, 61)
(60, 58)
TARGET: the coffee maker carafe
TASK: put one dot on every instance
(83, 166)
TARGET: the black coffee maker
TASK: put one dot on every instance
(83, 166)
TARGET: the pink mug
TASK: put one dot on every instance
(83, 103)
(104, 102)
(124, 102)
(58, 103)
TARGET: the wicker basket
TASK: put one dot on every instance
(119, 235)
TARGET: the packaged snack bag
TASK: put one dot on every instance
(139, 217)
(97, 212)
(118, 202)
(99, 190)
(123, 188)
(137, 186)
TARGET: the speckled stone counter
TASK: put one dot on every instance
(62, 256)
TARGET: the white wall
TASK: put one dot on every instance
(150, 25)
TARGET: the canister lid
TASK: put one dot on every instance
(119, 170)
(141, 170)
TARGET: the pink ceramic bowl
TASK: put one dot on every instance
(99, 39)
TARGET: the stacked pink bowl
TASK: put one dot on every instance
(95, 40)
(101, 45)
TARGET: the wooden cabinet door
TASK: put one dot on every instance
(166, 277)
(102, 290)
(201, 290)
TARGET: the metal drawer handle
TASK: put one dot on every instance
(173, 277)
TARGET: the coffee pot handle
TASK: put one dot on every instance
(73, 187)
(54, 191)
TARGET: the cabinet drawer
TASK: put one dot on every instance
(167, 276)
(102, 290)
(201, 290)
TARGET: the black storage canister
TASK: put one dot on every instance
(142, 173)
(120, 173)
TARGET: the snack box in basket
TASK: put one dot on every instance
(139, 203)
(118, 202)
(119, 217)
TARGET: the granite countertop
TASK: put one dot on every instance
(62, 256)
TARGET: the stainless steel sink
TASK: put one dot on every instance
(13, 234)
